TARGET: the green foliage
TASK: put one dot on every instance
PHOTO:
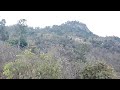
(8, 70)
(29, 66)
(13, 42)
(80, 50)
(23, 43)
(5, 36)
(14, 69)
(98, 70)
(3, 33)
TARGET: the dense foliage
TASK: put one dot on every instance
(98, 71)
(30, 66)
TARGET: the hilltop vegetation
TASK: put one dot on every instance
(66, 51)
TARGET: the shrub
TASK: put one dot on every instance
(98, 70)
(30, 66)
(13, 42)
(23, 43)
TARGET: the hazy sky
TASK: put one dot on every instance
(103, 23)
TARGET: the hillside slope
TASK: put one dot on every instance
(71, 43)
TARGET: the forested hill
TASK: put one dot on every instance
(69, 50)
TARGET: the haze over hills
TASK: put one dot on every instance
(65, 50)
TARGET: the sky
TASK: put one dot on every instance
(102, 23)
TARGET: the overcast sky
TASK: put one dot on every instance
(103, 23)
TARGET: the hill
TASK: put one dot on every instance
(70, 43)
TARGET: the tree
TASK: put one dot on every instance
(98, 70)
(3, 33)
(22, 33)
(7, 53)
(30, 66)
(80, 51)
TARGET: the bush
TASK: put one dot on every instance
(23, 43)
(13, 42)
(30, 66)
(98, 70)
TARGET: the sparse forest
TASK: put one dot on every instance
(66, 51)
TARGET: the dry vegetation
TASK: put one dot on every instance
(68, 51)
